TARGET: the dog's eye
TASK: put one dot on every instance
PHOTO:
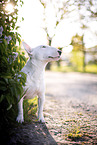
(43, 46)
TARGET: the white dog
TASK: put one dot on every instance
(35, 69)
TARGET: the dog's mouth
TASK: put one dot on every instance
(54, 57)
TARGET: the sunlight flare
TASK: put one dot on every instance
(9, 8)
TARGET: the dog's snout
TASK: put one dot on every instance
(59, 52)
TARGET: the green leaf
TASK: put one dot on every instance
(6, 77)
(3, 85)
(12, 91)
(22, 19)
(2, 82)
(19, 89)
(8, 99)
(1, 98)
(17, 27)
(10, 106)
(3, 88)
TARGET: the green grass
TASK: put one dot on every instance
(91, 68)
(88, 69)
(74, 130)
(75, 64)
(74, 136)
(30, 108)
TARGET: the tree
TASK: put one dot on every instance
(77, 42)
(12, 60)
(60, 11)
(78, 45)
(88, 8)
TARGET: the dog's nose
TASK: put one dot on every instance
(59, 52)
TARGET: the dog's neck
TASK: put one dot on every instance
(35, 67)
(38, 64)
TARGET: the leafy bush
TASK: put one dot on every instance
(12, 59)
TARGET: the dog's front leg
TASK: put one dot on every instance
(20, 117)
(41, 99)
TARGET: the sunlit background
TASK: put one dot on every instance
(32, 30)
(40, 21)
(32, 26)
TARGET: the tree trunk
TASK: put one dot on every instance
(48, 67)
(84, 54)
(84, 63)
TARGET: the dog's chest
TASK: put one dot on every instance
(34, 84)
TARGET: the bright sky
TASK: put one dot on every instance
(32, 31)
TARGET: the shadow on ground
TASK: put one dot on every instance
(33, 133)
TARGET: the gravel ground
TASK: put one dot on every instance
(70, 112)
(71, 107)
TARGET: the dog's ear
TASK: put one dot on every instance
(27, 48)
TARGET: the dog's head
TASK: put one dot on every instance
(43, 52)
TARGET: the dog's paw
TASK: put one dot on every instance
(20, 119)
(42, 120)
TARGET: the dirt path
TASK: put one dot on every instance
(71, 107)
(70, 112)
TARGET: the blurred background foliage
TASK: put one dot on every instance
(80, 58)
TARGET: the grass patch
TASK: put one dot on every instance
(71, 120)
(91, 68)
(73, 62)
(75, 136)
(30, 108)
(75, 133)
(88, 69)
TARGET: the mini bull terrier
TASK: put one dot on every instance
(35, 69)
